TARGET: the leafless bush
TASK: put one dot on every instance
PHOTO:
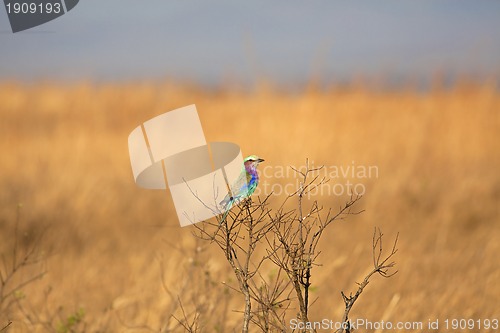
(255, 238)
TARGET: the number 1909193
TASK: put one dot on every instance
(33, 8)
(471, 324)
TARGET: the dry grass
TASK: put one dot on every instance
(65, 158)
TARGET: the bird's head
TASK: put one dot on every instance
(253, 161)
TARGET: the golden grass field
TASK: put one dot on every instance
(105, 242)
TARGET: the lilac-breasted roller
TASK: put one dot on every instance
(244, 186)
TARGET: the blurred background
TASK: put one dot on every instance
(411, 88)
(290, 44)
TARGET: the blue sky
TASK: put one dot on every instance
(284, 41)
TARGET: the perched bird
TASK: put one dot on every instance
(244, 186)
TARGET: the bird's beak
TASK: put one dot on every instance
(260, 160)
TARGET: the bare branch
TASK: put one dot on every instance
(380, 266)
(6, 326)
(290, 237)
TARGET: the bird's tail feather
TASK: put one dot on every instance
(228, 208)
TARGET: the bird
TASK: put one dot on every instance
(244, 186)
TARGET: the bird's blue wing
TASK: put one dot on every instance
(239, 190)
